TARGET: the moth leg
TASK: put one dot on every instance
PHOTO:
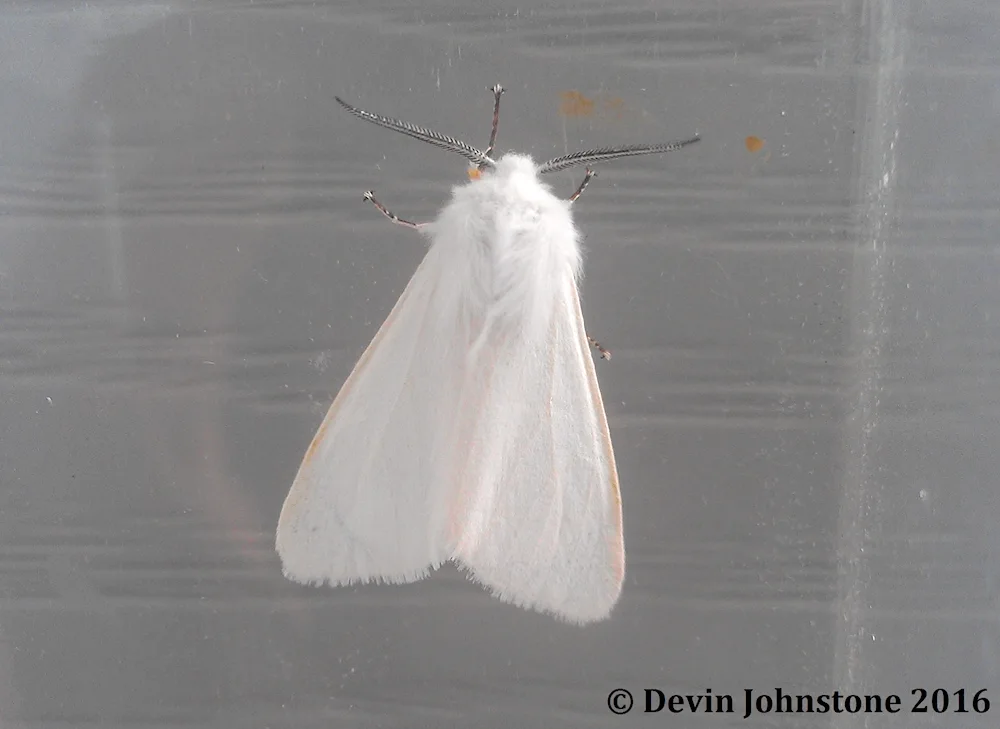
(591, 174)
(605, 353)
(370, 197)
(497, 93)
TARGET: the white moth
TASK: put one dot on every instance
(472, 428)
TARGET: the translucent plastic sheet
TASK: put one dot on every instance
(803, 310)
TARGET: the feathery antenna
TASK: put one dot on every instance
(604, 154)
(485, 159)
(442, 141)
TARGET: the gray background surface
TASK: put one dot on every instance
(803, 397)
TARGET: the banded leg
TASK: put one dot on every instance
(497, 93)
(605, 353)
(370, 197)
(591, 174)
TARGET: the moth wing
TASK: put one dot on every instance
(364, 505)
(538, 507)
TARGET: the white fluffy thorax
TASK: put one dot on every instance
(507, 246)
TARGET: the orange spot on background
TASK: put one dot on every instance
(754, 144)
(575, 104)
